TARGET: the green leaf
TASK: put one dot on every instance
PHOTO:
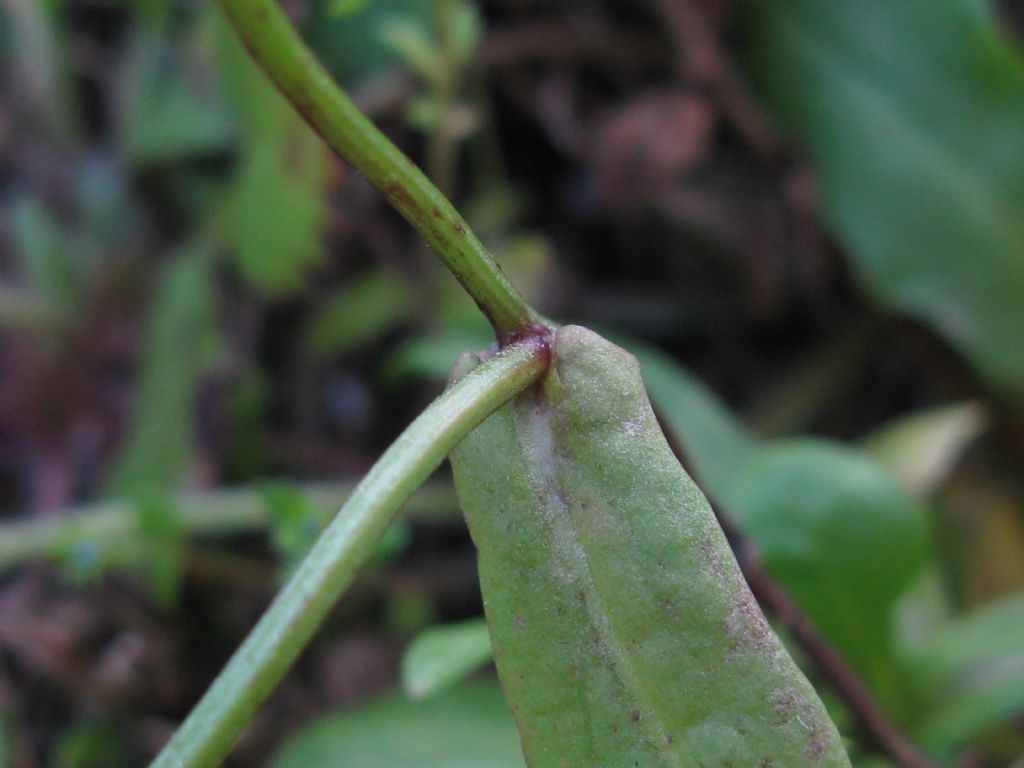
(417, 48)
(972, 675)
(350, 43)
(912, 113)
(361, 311)
(843, 538)
(170, 105)
(41, 246)
(431, 355)
(465, 31)
(276, 209)
(469, 727)
(177, 349)
(340, 8)
(623, 631)
(922, 449)
(294, 521)
(90, 744)
(717, 444)
(444, 655)
(828, 520)
(37, 61)
(162, 547)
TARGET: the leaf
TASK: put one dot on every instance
(828, 520)
(350, 43)
(623, 631)
(41, 245)
(362, 310)
(34, 41)
(163, 549)
(911, 112)
(170, 106)
(413, 42)
(276, 209)
(716, 443)
(922, 449)
(177, 348)
(295, 524)
(431, 355)
(441, 656)
(843, 538)
(465, 29)
(89, 744)
(972, 675)
(469, 727)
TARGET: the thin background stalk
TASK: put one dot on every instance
(200, 514)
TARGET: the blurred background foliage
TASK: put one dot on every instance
(805, 218)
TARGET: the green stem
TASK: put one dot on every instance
(441, 143)
(273, 42)
(284, 630)
(211, 513)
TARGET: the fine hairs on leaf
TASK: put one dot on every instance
(622, 628)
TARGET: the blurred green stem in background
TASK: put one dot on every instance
(274, 43)
(284, 630)
(200, 514)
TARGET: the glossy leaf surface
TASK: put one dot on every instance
(623, 631)
(911, 112)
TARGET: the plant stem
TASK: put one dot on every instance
(441, 142)
(213, 513)
(276, 46)
(284, 630)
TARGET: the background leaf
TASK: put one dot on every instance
(715, 442)
(468, 727)
(53, 277)
(364, 309)
(443, 655)
(972, 674)
(171, 108)
(923, 448)
(178, 347)
(842, 536)
(911, 112)
(276, 209)
(347, 35)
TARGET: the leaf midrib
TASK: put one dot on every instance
(546, 465)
